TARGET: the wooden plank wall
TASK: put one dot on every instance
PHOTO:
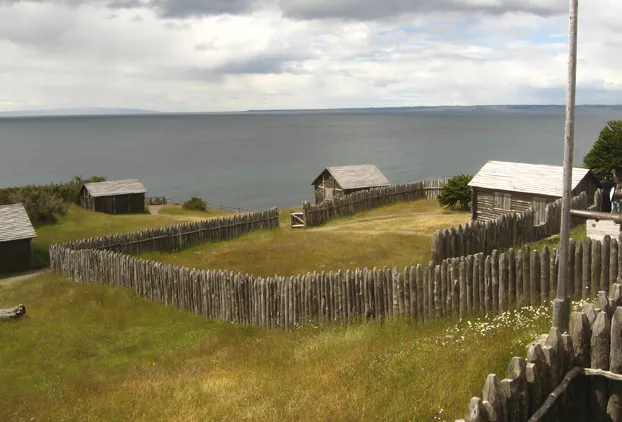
(457, 287)
(316, 215)
(507, 231)
(594, 342)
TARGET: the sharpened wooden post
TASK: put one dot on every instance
(601, 333)
(614, 406)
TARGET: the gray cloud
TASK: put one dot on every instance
(326, 9)
(373, 9)
(190, 8)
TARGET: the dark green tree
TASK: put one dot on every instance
(606, 153)
(456, 191)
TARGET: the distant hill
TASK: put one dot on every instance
(94, 111)
(465, 109)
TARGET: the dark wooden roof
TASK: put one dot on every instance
(356, 177)
(15, 224)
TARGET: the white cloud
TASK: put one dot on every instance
(65, 54)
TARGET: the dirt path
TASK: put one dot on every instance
(21, 277)
(154, 209)
(347, 224)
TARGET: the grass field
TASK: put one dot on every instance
(81, 224)
(396, 235)
(86, 352)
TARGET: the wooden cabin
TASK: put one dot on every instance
(335, 182)
(16, 234)
(114, 197)
(503, 187)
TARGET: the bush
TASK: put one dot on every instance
(195, 203)
(606, 153)
(456, 191)
(45, 202)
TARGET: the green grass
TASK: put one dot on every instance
(397, 235)
(81, 224)
(86, 352)
(178, 210)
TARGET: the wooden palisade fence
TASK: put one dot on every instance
(573, 377)
(316, 215)
(456, 287)
(505, 232)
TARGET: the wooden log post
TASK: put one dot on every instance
(534, 277)
(601, 334)
(488, 286)
(613, 259)
(516, 390)
(444, 284)
(494, 258)
(477, 411)
(494, 394)
(469, 283)
(578, 271)
(519, 280)
(12, 314)
(545, 263)
(526, 276)
(511, 279)
(463, 289)
(596, 264)
(587, 269)
(604, 265)
(614, 406)
(537, 377)
(503, 283)
(581, 338)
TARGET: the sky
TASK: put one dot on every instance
(228, 55)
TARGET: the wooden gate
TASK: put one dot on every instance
(297, 219)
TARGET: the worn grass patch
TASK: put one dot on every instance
(402, 238)
(177, 210)
(91, 353)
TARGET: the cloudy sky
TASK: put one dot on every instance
(218, 55)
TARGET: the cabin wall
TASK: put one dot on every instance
(16, 255)
(328, 188)
(120, 204)
(485, 208)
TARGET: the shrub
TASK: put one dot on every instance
(45, 202)
(195, 203)
(456, 191)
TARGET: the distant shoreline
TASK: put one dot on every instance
(103, 112)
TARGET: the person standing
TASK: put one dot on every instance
(616, 193)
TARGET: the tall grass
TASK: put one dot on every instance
(89, 353)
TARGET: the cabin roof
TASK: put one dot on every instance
(356, 177)
(526, 178)
(115, 187)
(15, 224)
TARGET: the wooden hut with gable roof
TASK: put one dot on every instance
(114, 197)
(502, 187)
(335, 182)
(16, 234)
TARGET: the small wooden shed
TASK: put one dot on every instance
(114, 197)
(16, 234)
(335, 182)
(503, 187)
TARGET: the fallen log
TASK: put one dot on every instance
(12, 313)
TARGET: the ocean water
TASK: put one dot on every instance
(259, 160)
